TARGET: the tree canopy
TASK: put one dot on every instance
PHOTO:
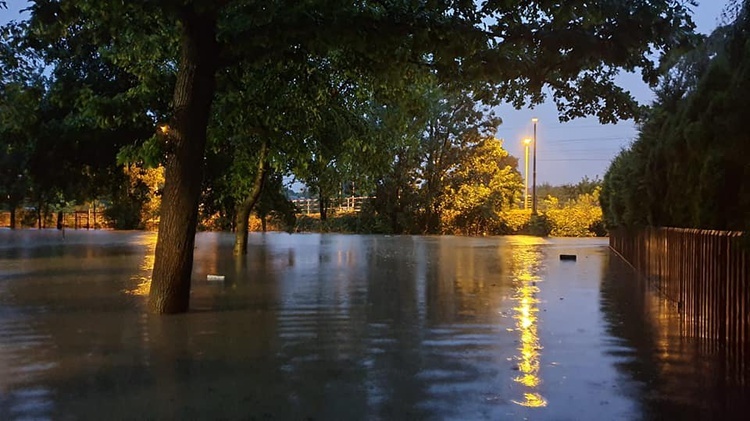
(688, 167)
(139, 65)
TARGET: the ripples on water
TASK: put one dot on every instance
(341, 327)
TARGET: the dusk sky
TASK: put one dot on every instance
(566, 152)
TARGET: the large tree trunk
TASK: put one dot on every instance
(244, 209)
(323, 207)
(395, 210)
(186, 141)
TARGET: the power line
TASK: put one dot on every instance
(588, 139)
(576, 159)
(563, 127)
(585, 139)
(579, 150)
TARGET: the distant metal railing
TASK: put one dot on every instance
(338, 204)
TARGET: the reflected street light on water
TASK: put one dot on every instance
(528, 364)
(526, 261)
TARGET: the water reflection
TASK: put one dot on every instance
(143, 277)
(526, 261)
(49, 340)
(679, 376)
(341, 327)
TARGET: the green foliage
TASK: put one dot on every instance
(540, 225)
(580, 217)
(150, 153)
(282, 77)
(688, 167)
(65, 109)
(454, 124)
(18, 117)
(370, 221)
(567, 192)
(364, 222)
(481, 186)
(515, 221)
(135, 203)
(124, 213)
(116, 66)
(275, 205)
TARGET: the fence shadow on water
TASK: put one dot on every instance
(704, 275)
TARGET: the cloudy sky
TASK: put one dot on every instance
(566, 152)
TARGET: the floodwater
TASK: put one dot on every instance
(343, 327)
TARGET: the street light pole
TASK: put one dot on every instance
(526, 142)
(533, 185)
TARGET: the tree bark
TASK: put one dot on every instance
(323, 207)
(12, 217)
(395, 210)
(244, 209)
(185, 141)
(59, 220)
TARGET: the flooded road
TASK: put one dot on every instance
(323, 327)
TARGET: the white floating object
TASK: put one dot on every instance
(214, 277)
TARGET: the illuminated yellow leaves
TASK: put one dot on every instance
(575, 218)
(147, 181)
(581, 217)
(483, 184)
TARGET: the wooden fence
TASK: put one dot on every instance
(80, 219)
(338, 204)
(704, 274)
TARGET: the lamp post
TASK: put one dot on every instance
(526, 143)
(533, 185)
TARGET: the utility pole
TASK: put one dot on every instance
(526, 143)
(533, 186)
